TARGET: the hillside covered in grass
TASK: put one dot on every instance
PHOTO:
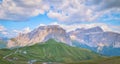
(49, 51)
(109, 60)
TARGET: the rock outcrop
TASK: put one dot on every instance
(96, 37)
(41, 34)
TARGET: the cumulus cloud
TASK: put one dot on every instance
(108, 4)
(21, 9)
(105, 27)
(26, 30)
(2, 28)
(4, 33)
(70, 11)
(72, 27)
(23, 31)
(63, 10)
(82, 10)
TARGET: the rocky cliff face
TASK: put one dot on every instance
(41, 34)
(96, 37)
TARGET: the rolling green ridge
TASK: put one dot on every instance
(50, 51)
(110, 60)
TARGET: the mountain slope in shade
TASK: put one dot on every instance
(2, 44)
(110, 60)
(41, 34)
(50, 51)
(81, 34)
(97, 40)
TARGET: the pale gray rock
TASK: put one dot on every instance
(96, 37)
(39, 35)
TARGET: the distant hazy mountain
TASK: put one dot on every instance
(49, 51)
(3, 42)
(4, 39)
(41, 34)
(98, 39)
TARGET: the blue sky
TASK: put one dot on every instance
(32, 22)
(18, 16)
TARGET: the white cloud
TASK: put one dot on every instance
(4, 33)
(108, 4)
(21, 9)
(25, 30)
(80, 10)
(16, 31)
(63, 10)
(116, 28)
(86, 26)
(105, 27)
(70, 11)
(2, 28)
(56, 15)
(41, 25)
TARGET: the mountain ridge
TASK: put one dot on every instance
(95, 39)
(41, 34)
(50, 51)
(98, 41)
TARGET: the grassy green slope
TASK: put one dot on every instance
(50, 51)
(4, 52)
(110, 60)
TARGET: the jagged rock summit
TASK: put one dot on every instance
(98, 40)
(95, 36)
(39, 35)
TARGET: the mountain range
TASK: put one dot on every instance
(95, 39)
(41, 34)
(52, 44)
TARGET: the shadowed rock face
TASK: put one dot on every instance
(41, 34)
(96, 37)
(107, 43)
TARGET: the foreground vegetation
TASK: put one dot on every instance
(110, 60)
(52, 52)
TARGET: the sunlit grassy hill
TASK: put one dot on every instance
(49, 51)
